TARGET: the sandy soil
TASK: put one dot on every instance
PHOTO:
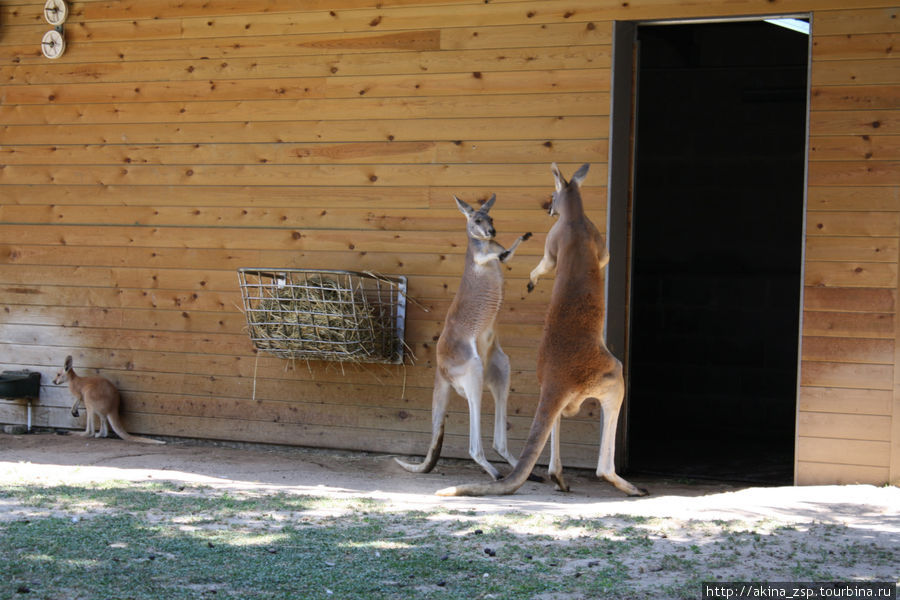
(50, 458)
(854, 529)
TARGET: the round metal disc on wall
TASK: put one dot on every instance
(56, 12)
(53, 44)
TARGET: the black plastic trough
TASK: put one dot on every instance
(20, 384)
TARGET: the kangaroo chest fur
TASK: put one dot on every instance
(479, 298)
(474, 309)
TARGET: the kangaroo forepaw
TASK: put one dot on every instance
(530, 287)
(526, 236)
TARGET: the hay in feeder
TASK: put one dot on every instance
(317, 317)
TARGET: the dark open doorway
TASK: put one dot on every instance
(716, 241)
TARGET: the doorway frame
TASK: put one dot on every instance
(620, 187)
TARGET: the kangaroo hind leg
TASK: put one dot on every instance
(104, 428)
(497, 379)
(554, 470)
(90, 413)
(469, 383)
(439, 400)
(568, 401)
(611, 404)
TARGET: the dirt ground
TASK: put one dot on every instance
(50, 458)
(849, 532)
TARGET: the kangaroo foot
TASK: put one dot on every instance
(561, 484)
(623, 485)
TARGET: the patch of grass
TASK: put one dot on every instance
(155, 540)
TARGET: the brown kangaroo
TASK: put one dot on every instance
(573, 362)
(100, 398)
(468, 351)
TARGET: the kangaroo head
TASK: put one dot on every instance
(479, 224)
(63, 374)
(565, 188)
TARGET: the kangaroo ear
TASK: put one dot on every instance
(487, 205)
(68, 364)
(580, 174)
(557, 176)
(463, 207)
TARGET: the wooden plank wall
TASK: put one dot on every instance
(176, 142)
(172, 145)
(848, 417)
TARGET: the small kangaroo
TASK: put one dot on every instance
(573, 362)
(100, 398)
(468, 351)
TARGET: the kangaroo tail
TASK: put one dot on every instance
(534, 445)
(116, 424)
(507, 485)
(431, 458)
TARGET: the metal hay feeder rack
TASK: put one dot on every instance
(342, 316)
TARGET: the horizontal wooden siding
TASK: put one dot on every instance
(172, 145)
(847, 405)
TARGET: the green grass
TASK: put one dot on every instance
(165, 541)
(161, 541)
